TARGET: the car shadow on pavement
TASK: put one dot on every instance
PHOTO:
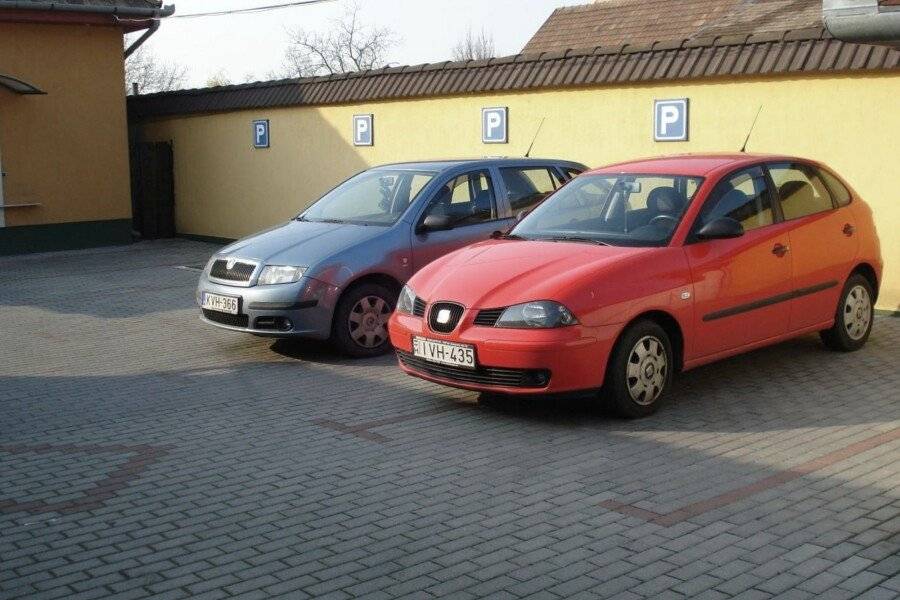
(322, 352)
(798, 383)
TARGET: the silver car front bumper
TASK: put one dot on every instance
(301, 309)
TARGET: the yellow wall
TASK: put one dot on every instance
(226, 188)
(68, 150)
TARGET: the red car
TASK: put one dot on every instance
(637, 270)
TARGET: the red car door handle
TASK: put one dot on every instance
(848, 229)
(780, 250)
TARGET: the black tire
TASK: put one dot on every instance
(853, 316)
(630, 394)
(350, 339)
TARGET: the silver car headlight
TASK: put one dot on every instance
(542, 314)
(406, 301)
(273, 274)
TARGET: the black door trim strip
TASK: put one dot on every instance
(736, 310)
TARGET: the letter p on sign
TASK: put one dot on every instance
(261, 133)
(670, 120)
(362, 130)
(494, 125)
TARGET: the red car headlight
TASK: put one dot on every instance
(541, 314)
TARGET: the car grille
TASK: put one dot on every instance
(456, 312)
(240, 271)
(488, 317)
(215, 316)
(419, 307)
(522, 378)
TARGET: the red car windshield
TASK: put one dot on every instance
(619, 210)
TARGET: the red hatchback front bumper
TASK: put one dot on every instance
(511, 361)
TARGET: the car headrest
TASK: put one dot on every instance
(730, 202)
(665, 200)
(443, 196)
(800, 192)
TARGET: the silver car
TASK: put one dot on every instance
(335, 271)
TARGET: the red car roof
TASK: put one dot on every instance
(688, 164)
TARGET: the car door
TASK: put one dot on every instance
(471, 202)
(823, 243)
(742, 284)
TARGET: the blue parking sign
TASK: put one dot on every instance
(494, 125)
(261, 133)
(670, 120)
(363, 130)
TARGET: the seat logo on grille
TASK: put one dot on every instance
(443, 316)
(229, 263)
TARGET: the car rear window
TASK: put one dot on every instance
(800, 190)
(838, 190)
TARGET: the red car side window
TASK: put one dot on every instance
(743, 196)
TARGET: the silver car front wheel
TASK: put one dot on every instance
(360, 325)
(368, 320)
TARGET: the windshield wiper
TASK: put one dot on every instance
(335, 221)
(511, 236)
(575, 238)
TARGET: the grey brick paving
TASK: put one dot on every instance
(448, 496)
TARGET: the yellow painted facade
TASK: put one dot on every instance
(67, 150)
(225, 188)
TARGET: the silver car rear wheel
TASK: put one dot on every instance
(368, 321)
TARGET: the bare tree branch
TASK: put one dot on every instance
(474, 46)
(219, 78)
(348, 46)
(151, 74)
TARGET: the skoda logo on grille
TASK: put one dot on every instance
(443, 316)
(229, 263)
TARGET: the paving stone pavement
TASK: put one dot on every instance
(183, 461)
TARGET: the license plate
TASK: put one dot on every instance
(220, 303)
(447, 353)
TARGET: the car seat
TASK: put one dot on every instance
(441, 203)
(482, 204)
(665, 201)
(798, 198)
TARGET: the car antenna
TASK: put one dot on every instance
(534, 139)
(752, 125)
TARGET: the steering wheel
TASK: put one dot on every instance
(667, 221)
(664, 221)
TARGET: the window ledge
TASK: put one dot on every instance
(5, 206)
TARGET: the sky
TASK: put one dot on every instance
(249, 47)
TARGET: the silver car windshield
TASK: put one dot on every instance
(617, 210)
(377, 197)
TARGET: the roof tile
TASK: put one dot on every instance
(614, 22)
(794, 52)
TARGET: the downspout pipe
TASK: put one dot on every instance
(119, 11)
(862, 21)
(154, 26)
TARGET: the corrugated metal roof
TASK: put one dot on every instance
(802, 51)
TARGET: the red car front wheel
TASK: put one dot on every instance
(640, 370)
